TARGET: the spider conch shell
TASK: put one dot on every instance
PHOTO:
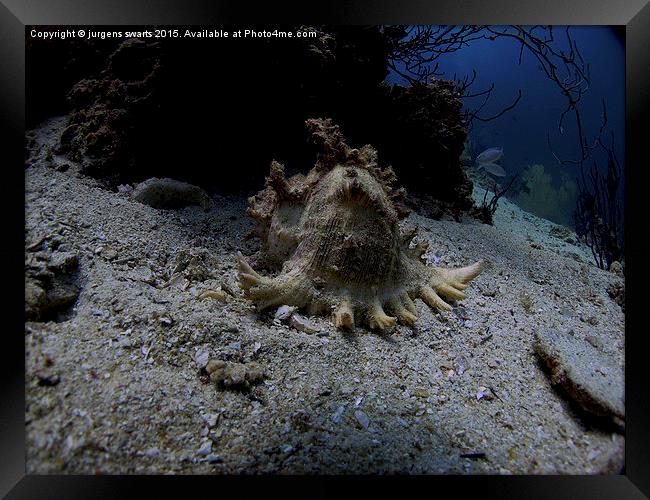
(336, 234)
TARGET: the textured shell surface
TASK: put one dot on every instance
(335, 233)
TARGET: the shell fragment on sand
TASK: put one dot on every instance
(302, 324)
(218, 295)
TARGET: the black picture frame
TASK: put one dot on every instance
(16, 14)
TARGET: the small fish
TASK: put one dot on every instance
(489, 155)
(493, 169)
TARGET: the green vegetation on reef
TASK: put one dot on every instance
(542, 198)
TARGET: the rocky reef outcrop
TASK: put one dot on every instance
(215, 112)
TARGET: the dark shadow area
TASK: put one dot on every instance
(216, 111)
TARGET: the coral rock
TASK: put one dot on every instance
(235, 375)
(336, 234)
(170, 193)
(594, 380)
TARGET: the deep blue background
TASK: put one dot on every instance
(522, 131)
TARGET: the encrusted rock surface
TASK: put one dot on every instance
(592, 379)
(232, 374)
(169, 193)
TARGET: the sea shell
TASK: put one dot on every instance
(336, 234)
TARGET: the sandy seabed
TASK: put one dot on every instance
(114, 382)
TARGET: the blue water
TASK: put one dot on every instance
(522, 131)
